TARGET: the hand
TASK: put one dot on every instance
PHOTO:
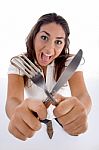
(23, 123)
(72, 115)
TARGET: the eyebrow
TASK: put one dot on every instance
(56, 37)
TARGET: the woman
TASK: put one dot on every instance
(47, 46)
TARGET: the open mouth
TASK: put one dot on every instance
(45, 57)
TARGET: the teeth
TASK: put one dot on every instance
(45, 57)
(47, 54)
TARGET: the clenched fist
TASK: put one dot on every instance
(23, 123)
(72, 115)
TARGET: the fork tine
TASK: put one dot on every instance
(27, 66)
(34, 67)
(15, 61)
(24, 64)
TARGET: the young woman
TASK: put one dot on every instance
(47, 46)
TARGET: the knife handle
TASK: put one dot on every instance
(45, 121)
(58, 122)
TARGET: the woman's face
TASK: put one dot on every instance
(49, 43)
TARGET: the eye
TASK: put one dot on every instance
(43, 37)
(58, 42)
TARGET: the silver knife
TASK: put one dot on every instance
(66, 75)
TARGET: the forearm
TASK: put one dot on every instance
(11, 105)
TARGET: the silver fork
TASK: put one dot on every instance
(34, 73)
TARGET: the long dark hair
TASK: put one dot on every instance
(61, 59)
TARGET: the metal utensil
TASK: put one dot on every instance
(67, 73)
(34, 73)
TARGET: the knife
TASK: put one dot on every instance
(66, 75)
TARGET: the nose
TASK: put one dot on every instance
(50, 48)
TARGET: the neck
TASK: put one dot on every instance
(44, 71)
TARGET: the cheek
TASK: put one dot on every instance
(59, 49)
(36, 41)
(58, 53)
(37, 45)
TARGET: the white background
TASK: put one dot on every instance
(16, 20)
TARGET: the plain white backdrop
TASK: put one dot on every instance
(16, 20)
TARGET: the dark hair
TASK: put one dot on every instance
(46, 19)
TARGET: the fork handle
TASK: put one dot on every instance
(45, 121)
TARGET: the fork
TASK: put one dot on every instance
(34, 73)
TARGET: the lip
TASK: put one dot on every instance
(46, 54)
(43, 58)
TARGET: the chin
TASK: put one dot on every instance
(42, 63)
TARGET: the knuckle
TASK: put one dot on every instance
(61, 109)
(37, 126)
(18, 111)
(10, 128)
(83, 117)
(85, 127)
(13, 130)
(82, 109)
(30, 134)
(74, 99)
(57, 111)
(39, 107)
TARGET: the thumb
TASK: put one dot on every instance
(38, 107)
(59, 98)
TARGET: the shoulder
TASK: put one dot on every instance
(81, 65)
(12, 69)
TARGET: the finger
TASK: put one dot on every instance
(24, 128)
(59, 97)
(79, 130)
(63, 108)
(72, 115)
(15, 132)
(38, 107)
(77, 126)
(30, 120)
(18, 122)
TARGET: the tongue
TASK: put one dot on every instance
(45, 58)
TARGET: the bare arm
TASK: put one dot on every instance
(23, 124)
(72, 111)
(79, 90)
(15, 93)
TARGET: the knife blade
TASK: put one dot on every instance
(66, 75)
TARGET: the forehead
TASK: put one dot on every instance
(53, 29)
